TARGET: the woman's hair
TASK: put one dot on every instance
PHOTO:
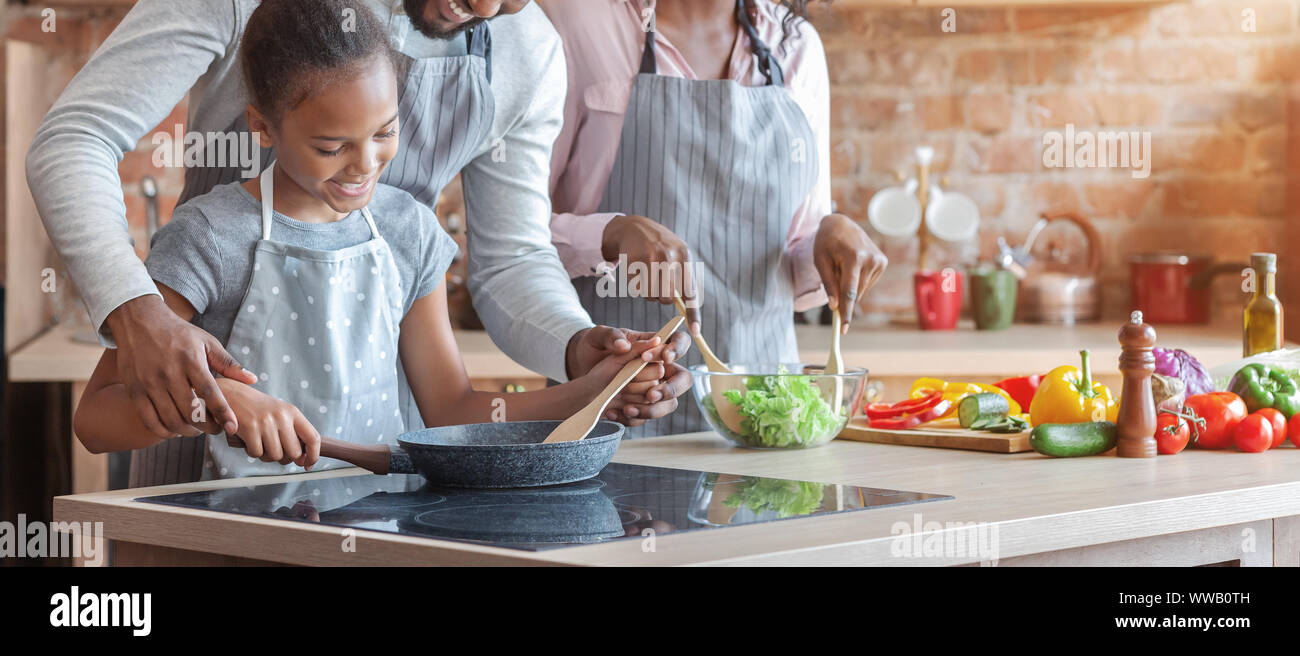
(292, 47)
(798, 11)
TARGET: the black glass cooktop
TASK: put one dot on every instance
(623, 501)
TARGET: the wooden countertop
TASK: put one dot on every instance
(1037, 505)
(884, 351)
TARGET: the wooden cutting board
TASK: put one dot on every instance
(942, 437)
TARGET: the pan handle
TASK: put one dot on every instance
(376, 459)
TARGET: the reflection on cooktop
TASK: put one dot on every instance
(623, 501)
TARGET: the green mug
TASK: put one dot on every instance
(993, 293)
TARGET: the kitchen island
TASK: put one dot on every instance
(1195, 508)
(894, 355)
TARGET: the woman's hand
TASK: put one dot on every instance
(664, 254)
(849, 263)
(270, 429)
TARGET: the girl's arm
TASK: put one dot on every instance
(442, 388)
(271, 430)
(107, 418)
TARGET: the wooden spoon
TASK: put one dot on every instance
(727, 411)
(710, 360)
(576, 427)
(835, 363)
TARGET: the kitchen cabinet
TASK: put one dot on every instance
(1196, 508)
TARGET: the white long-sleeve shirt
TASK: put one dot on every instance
(165, 48)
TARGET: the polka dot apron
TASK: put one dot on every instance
(319, 329)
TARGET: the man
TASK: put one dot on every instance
(486, 102)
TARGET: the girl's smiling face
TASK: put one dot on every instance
(334, 145)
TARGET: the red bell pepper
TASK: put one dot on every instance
(887, 411)
(1021, 388)
(914, 419)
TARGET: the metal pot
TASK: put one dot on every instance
(1174, 287)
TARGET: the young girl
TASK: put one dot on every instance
(324, 283)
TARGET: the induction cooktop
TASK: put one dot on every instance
(624, 501)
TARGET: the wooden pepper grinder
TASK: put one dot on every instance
(1137, 410)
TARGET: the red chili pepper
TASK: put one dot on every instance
(887, 411)
(914, 419)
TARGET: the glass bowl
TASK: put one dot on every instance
(781, 406)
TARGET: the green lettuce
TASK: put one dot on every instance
(784, 411)
(786, 498)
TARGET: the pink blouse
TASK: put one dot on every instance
(603, 42)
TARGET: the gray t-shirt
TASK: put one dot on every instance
(205, 252)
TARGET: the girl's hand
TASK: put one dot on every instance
(652, 351)
(270, 429)
(651, 398)
(849, 263)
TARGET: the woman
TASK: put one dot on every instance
(699, 129)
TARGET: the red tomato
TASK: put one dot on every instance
(1172, 434)
(1254, 434)
(1293, 429)
(1278, 420)
(1222, 411)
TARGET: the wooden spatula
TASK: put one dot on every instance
(581, 423)
(727, 411)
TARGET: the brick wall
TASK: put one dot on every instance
(79, 31)
(1216, 99)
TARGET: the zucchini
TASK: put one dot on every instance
(978, 410)
(1071, 440)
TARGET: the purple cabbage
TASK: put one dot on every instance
(1177, 363)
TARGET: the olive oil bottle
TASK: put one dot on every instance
(1263, 316)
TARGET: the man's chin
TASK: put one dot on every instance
(415, 10)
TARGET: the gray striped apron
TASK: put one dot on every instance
(446, 108)
(725, 167)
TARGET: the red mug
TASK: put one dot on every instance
(938, 298)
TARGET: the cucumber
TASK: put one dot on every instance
(983, 408)
(1071, 440)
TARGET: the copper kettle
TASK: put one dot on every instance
(1057, 291)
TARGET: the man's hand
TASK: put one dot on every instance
(665, 255)
(848, 261)
(164, 361)
(590, 346)
(649, 395)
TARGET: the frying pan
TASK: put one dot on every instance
(579, 512)
(501, 455)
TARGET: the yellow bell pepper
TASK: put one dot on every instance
(1069, 396)
(955, 392)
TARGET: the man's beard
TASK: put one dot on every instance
(415, 12)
